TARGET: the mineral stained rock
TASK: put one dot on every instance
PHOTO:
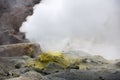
(20, 49)
(12, 14)
(95, 70)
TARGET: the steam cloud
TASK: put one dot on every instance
(89, 25)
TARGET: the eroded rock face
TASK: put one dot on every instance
(12, 14)
(21, 49)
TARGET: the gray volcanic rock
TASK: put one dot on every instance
(31, 75)
(5, 66)
(117, 63)
(11, 68)
(20, 49)
(86, 75)
(12, 14)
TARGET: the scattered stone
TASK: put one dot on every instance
(18, 72)
(18, 65)
(101, 78)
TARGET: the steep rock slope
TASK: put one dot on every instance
(12, 14)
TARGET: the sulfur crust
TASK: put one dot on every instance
(55, 57)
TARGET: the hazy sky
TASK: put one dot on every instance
(89, 25)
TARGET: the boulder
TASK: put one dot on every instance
(20, 49)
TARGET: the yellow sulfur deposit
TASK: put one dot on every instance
(55, 57)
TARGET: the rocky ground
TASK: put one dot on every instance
(14, 68)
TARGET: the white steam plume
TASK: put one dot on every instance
(88, 25)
